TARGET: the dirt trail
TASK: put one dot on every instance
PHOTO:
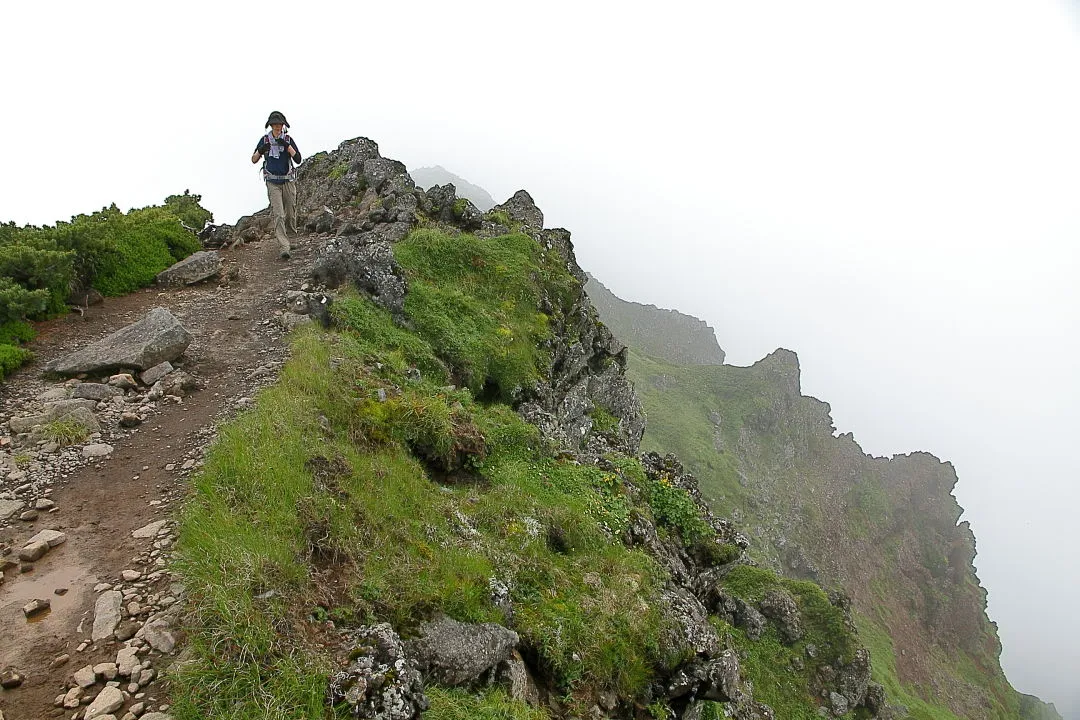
(237, 347)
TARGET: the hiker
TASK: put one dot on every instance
(280, 152)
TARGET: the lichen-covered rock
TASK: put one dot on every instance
(156, 337)
(380, 682)
(696, 632)
(455, 653)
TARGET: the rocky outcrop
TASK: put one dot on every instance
(157, 337)
(454, 653)
(380, 682)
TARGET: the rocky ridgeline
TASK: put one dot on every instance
(360, 204)
(356, 205)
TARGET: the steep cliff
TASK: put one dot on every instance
(666, 334)
(885, 530)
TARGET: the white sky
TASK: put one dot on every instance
(890, 189)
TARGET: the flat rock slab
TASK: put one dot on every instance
(106, 614)
(10, 507)
(108, 699)
(149, 530)
(200, 266)
(52, 537)
(95, 391)
(97, 450)
(157, 372)
(155, 338)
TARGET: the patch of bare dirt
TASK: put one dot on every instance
(238, 346)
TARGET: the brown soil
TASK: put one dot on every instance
(102, 502)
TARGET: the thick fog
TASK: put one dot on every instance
(889, 189)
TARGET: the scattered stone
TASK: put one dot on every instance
(60, 591)
(131, 575)
(158, 336)
(156, 716)
(108, 699)
(156, 632)
(127, 661)
(36, 606)
(455, 653)
(127, 630)
(85, 676)
(29, 515)
(95, 391)
(149, 530)
(380, 682)
(106, 670)
(106, 614)
(59, 660)
(44, 504)
(34, 551)
(10, 507)
(124, 381)
(157, 372)
(10, 678)
(72, 698)
(130, 420)
(97, 450)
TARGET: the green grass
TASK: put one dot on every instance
(65, 432)
(493, 704)
(322, 474)
(475, 301)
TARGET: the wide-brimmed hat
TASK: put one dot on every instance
(276, 117)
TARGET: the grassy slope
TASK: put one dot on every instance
(320, 509)
(679, 401)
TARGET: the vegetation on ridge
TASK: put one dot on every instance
(110, 251)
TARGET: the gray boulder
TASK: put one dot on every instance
(380, 682)
(454, 653)
(157, 337)
(199, 266)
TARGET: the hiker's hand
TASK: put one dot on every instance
(281, 141)
(264, 147)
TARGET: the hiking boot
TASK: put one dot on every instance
(285, 255)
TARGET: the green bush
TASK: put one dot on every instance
(187, 209)
(11, 358)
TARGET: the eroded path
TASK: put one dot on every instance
(99, 502)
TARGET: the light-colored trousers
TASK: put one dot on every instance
(283, 208)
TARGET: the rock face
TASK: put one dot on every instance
(454, 653)
(192, 269)
(380, 682)
(155, 338)
(656, 332)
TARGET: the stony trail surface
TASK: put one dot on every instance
(98, 502)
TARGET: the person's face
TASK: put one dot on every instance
(276, 127)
